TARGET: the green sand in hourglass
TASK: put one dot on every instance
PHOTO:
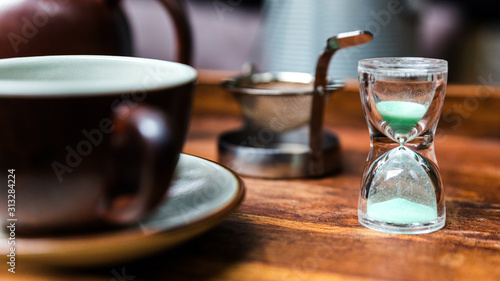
(401, 116)
(401, 190)
(400, 210)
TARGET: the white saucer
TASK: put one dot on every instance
(202, 194)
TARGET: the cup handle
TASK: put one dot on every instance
(142, 163)
(184, 42)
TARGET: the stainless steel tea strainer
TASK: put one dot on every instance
(283, 112)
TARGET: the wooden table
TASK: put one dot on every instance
(307, 229)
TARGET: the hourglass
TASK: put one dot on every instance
(401, 188)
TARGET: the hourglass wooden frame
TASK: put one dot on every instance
(401, 188)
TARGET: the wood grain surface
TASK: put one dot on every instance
(307, 229)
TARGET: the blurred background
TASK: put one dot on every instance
(274, 35)
(288, 35)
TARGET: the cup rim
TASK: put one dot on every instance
(403, 65)
(26, 86)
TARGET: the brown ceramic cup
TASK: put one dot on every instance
(88, 142)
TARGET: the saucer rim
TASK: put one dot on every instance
(53, 250)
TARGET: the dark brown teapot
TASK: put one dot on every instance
(63, 27)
